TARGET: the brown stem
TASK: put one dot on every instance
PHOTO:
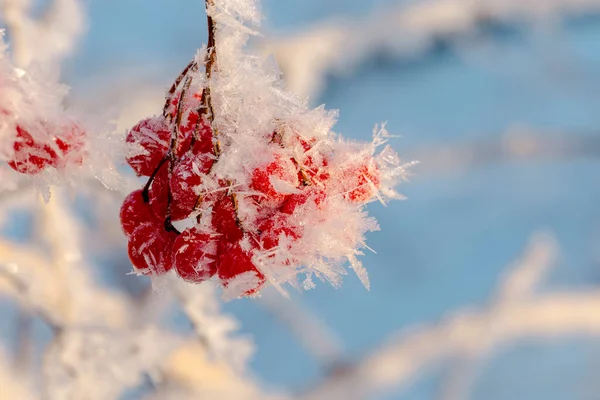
(192, 66)
(211, 60)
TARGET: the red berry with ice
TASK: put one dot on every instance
(235, 267)
(30, 155)
(53, 145)
(148, 142)
(186, 178)
(150, 249)
(224, 219)
(195, 255)
(273, 229)
(135, 211)
(361, 182)
(275, 180)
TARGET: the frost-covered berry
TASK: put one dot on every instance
(69, 141)
(195, 125)
(235, 267)
(315, 167)
(293, 201)
(148, 142)
(158, 193)
(187, 175)
(195, 255)
(135, 212)
(159, 197)
(362, 182)
(54, 146)
(275, 179)
(272, 229)
(30, 155)
(224, 219)
(150, 249)
(291, 139)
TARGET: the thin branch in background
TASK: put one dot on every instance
(24, 347)
(48, 39)
(314, 334)
(404, 30)
(516, 145)
(472, 332)
(519, 283)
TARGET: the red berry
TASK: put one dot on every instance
(224, 219)
(150, 249)
(135, 212)
(70, 143)
(293, 201)
(362, 182)
(186, 176)
(203, 143)
(148, 143)
(292, 140)
(194, 255)
(159, 192)
(30, 156)
(263, 179)
(316, 169)
(271, 230)
(159, 197)
(234, 261)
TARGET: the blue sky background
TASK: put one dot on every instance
(447, 245)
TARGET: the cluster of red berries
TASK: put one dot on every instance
(53, 146)
(178, 151)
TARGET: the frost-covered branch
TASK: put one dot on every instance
(214, 329)
(407, 30)
(314, 334)
(515, 314)
(13, 385)
(47, 39)
(514, 145)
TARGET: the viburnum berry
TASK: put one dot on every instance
(159, 197)
(281, 173)
(316, 169)
(158, 193)
(69, 141)
(224, 219)
(30, 155)
(362, 182)
(53, 149)
(198, 126)
(293, 201)
(195, 255)
(291, 139)
(233, 261)
(150, 249)
(135, 211)
(148, 142)
(186, 176)
(271, 230)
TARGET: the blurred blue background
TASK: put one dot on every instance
(447, 246)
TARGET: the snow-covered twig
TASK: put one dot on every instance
(12, 384)
(48, 39)
(214, 329)
(405, 31)
(516, 314)
(311, 332)
(517, 144)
